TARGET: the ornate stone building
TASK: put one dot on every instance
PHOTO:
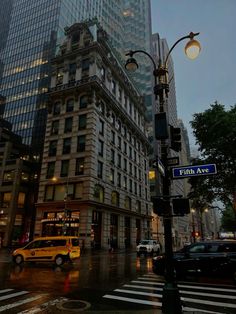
(94, 175)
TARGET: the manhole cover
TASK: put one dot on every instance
(73, 305)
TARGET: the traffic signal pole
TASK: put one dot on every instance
(171, 302)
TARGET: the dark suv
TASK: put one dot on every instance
(217, 258)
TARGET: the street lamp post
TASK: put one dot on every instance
(64, 226)
(171, 302)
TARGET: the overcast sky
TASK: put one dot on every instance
(212, 76)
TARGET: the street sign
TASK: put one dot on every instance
(172, 161)
(193, 171)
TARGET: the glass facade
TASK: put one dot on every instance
(31, 43)
(30, 36)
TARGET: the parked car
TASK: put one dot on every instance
(58, 249)
(217, 258)
(148, 247)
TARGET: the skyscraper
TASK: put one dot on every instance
(31, 34)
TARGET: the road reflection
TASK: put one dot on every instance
(99, 271)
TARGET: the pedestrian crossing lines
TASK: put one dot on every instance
(25, 302)
(147, 291)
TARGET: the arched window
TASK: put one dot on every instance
(128, 202)
(115, 198)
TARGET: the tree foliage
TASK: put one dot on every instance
(215, 133)
(228, 221)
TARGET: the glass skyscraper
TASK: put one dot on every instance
(29, 35)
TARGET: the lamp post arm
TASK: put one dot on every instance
(191, 36)
(131, 53)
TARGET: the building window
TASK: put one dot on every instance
(100, 148)
(100, 169)
(64, 168)
(9, 176)
(59, 78)
(125, 148)
(79, 168)
(55, 127)
(119, 160)
(119, 94)
(79, 190)
(113, 87)
(125, 164)
(113, 137)
(68, 125)
(130, 185)
(135, 188)
(119, 142)
(49, 191)
(99, 193)
(128, 202)
(138, 206)
(118, 179)
(85, 65)
(101, 127)
(130, 168)
(115, 198)
(72, 72)
(50, 170)
(82, 121)
(70, 105)
(112, 156)
(112, 175)
(83, 101)
(56, 108)
(125, 183)
(130, 152)
(52, 148)
(81, 143)
(66, 145)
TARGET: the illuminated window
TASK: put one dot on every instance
(21, 200)
(115, 198)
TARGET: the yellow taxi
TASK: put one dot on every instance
(58, 249)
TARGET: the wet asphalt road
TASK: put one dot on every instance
(88, 279)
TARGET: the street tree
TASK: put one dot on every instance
(215, 133)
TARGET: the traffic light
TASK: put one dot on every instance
(175, 138)
(181, 206)
(161, 129)
(159, 205)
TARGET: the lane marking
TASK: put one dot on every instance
(10, 306)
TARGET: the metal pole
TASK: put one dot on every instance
(171, 302)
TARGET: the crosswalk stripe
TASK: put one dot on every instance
(222, 296)
(185, 286)
(12, 295)
(139, 293)
(108, 296)
(10, 306)
(5, 290)
(200, 301)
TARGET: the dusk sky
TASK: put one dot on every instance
(210, 77)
